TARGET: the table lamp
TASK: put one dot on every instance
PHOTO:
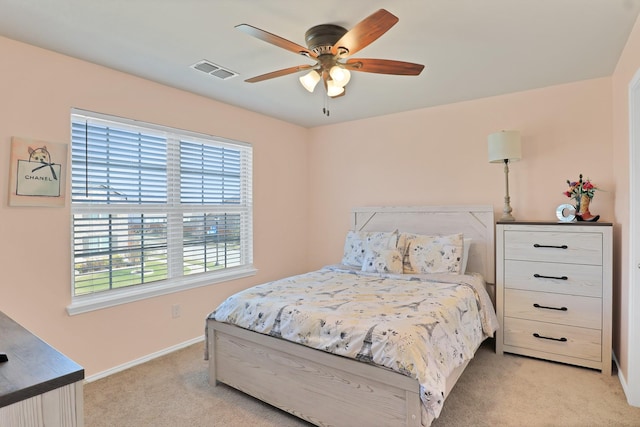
(504, 146)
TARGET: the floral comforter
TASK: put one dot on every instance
(422, 326)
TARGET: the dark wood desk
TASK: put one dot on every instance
(37, 379)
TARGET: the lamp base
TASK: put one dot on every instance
(507, 217)
(506, 210)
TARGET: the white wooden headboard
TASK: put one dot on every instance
(475, 222)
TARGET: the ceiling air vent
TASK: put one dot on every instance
(213, 69)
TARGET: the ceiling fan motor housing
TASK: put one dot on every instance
(321, 38)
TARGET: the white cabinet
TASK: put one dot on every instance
(60, 407)
(553, 291)
(39, 386)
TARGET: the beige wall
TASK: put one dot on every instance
(627, 67)
(37, 90)
(439, 156)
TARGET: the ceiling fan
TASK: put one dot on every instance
(330, 46)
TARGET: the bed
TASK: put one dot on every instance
(360, 376)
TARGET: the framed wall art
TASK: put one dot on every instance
(37, 173)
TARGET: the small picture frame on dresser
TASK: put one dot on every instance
(566, 213)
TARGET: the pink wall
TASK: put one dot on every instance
(439, 156)
(38, 90)
(627, 67)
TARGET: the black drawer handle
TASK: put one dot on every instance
(540, 276)
(537, 335)
(536, 245)
(536, 305)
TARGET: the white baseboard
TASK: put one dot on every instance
(143, 359)
(623, 381)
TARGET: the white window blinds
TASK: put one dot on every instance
(154, 205)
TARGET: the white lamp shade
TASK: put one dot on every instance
(340, 75)
(310, 80)
(334, 89)
(504, 145)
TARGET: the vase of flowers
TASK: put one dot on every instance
(582, 192)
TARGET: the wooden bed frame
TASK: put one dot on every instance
(330, 390)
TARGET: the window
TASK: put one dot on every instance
(155, 210)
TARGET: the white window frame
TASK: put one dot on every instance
(99, 300)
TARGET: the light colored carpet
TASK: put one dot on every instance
(493, 391)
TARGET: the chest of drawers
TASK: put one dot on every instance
(553, 291)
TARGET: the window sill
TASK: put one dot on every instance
(87, 303)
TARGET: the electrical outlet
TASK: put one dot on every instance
(176, 311)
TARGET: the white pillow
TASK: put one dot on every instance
(435, 254)
(357, 243)
(465, 256)
(384, 261)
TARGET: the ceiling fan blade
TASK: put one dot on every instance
(279, 73)
(276, 40)
(365, 32)
(384, 66)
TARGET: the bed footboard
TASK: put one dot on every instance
(324, 389)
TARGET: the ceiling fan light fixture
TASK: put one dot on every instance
(340, 75)
(334, 89)
(310, 80)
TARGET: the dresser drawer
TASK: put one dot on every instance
(569, 310)
(569, 341)
(563, 247)
(585, 280)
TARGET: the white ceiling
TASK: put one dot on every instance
(471, 48)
